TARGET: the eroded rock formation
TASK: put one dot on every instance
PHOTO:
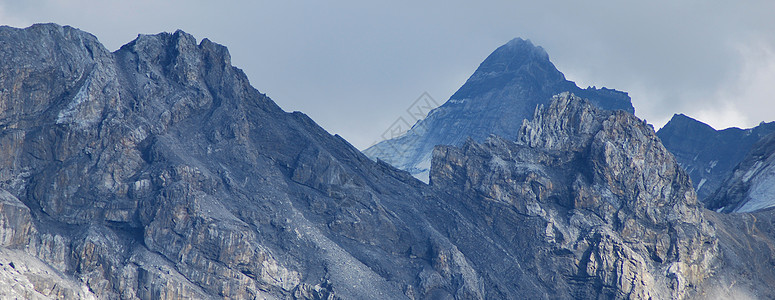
(592, 196)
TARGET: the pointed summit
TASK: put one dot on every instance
(512, 57)
(518, 62)
(518, 48)
(504, 90)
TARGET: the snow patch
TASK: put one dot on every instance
(422, 170)
(424, 176)
(761, 195)
(425, 163)
(699, 186)
(752, 171)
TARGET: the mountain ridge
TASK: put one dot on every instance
(709, 155)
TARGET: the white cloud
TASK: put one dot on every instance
(755, 87)
(746, 98)
(725, 116)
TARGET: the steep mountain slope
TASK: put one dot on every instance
(746, 256)
(503, 91)
(751, 186)
(709, 155)
(157, 171)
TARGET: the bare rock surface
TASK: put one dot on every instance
(591, 202)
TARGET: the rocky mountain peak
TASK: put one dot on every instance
(516, 62)
(61, 56)
(512, 56)
(624, 151)
(608, 194)
(683, 121)
(168, 46)
(568, 123)
(103, 149)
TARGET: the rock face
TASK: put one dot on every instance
(24, 276)
(709, 155)
(503, 91)
(592, 202)
(746, 257)
(751, 186)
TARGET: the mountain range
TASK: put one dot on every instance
(158, 172)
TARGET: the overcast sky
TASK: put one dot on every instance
(355, 66)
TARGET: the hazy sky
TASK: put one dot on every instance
(355, 66)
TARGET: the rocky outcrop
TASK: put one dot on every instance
(599, 206)
(751, 186)
(503, 91)
(709, 155)
(23, 276)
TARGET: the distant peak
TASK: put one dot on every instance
(177, 37)
(524, 48)
(49, 26)
(52, 29)
(513, 56)
(685, 119)
(180, 32)
(179, 40)
(516, 63)
(681, 116)
(519, 41)
(684, 122)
